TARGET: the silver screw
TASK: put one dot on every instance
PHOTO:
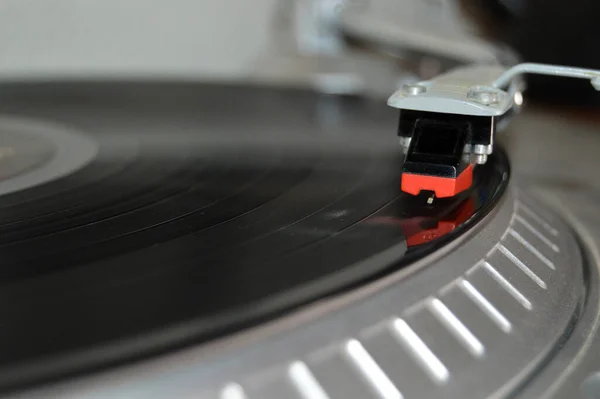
(486, 97)
(413, 89)
(480, 159)
(482, 149)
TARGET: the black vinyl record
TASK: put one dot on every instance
(206, 209)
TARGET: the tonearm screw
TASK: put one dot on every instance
(413, 89)
(484, 96)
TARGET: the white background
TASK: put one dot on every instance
(213, 38)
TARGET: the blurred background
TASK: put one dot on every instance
(336, 45)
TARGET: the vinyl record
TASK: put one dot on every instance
(199, 210)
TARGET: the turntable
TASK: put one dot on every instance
(186, 238)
